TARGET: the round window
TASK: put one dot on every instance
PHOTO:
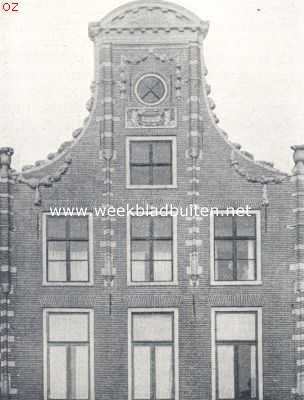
(151, 89)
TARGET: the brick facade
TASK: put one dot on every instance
(140, 38)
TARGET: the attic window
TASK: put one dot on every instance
(151, 162)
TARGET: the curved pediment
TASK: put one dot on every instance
(150, 14)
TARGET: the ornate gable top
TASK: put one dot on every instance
(148, 14)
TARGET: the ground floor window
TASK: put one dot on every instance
(153, 355)
(236, 351)
(68, 351)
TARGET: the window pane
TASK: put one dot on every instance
(162, 271)
(57, 271)
(223, 226)
(225, 370)
(162, 152)
(162, 176)
(140, 271)
(140, 152)
(235, 326)
(246, 249)
(163, 372)
(253, 383)
(57, 372)
(79, 271)
(68, 327)
(246, 270)
(78, 227)
(224, 270)
(140, 227)
(152, 327)
(223, 249)
(300, 383)
(142, 372)
(140, 176)
(79, 250)
(246, 226)
(162, 250)
(56, 250)
(56, 227)
(140, 250)
(162, 227)
(247, 372)
(79, 372)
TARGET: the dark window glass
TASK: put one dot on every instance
(67, 249)
(151, 249)
(235, 248)
(236, 356)
(151, 162)
(56, 227)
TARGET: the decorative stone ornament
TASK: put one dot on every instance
(150, 56)
(263, 180)
(298, 158)
(151, 89)
(45, 181)
(108, 271)
(151, 118)
(146, 18)
(194, 270)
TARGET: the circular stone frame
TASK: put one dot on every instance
(163, 82)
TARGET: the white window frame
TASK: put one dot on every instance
(175, 343)
(130, 139)
(259, 339)
(46, 312)
(44, 253)
(174, 282)
(258, 280)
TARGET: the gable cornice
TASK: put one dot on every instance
(161, 16)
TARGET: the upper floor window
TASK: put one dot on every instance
(68, 348)
(235, 250)
(67, 250)
(151, 162)
(237, 354)
(151, 89)
(152, 250)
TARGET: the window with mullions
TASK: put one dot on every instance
(151, 249)
(68, 355)
(153, 356)
(67, 249)
(236, 355)
(235, 248)
(151, 162)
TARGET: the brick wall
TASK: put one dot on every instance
(219, 184)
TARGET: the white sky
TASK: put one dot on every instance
(254, 54)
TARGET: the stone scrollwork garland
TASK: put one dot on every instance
(45, 181)
(263, 180)
(256, 179)
(163, 58)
